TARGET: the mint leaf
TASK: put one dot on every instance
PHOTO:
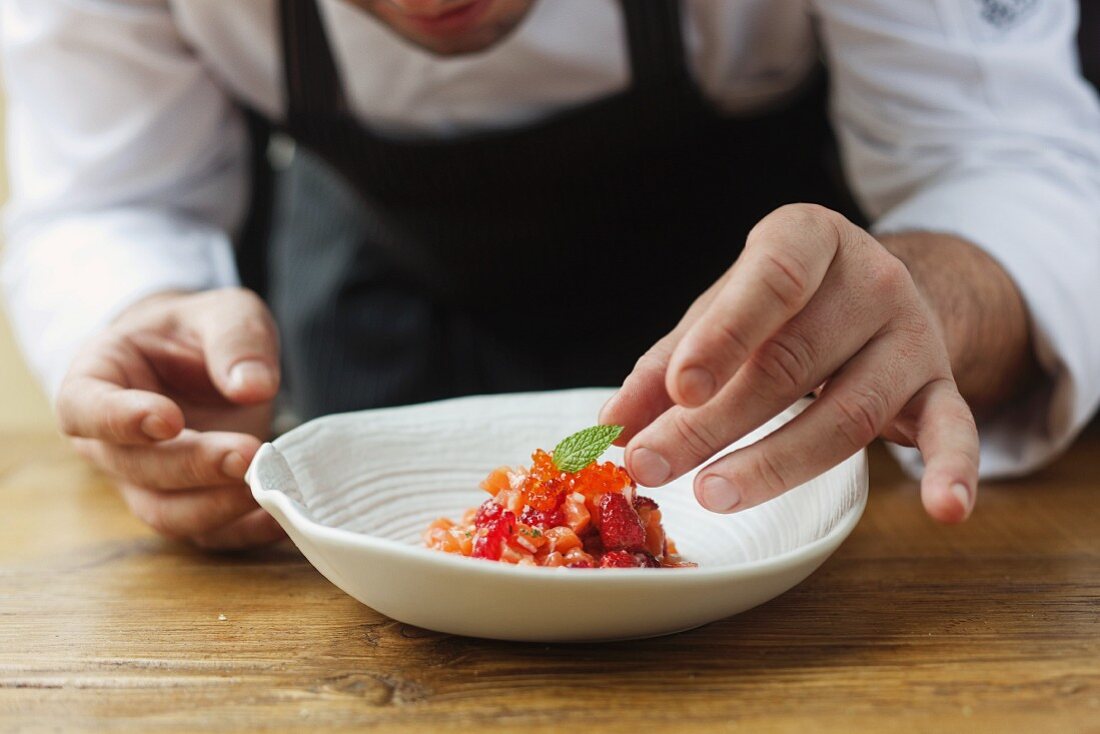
(583, 447)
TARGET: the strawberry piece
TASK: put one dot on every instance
(489, 511)
(492, 535)
(626, 559)
(543, 518)
(618, 559)
(646, 502)
(619, 525)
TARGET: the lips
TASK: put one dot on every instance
(451, 22)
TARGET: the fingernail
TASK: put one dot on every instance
(719, 494)
(696, 385)
(156, 427)
(234, 466)
(250, 373)
(650, 468)
(962, 494)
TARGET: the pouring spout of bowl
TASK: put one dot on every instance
(270, 472)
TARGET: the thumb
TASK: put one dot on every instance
(241, 345)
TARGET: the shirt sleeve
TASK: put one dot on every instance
(970, 117)
(127, 163)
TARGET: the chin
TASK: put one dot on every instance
(499, 19)
(471, 43)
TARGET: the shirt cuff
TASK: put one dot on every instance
(1049, 244)
(67, 280)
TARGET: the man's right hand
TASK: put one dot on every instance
(173, 400)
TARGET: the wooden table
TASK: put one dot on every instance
(994, 626)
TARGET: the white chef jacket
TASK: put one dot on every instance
(128, 152)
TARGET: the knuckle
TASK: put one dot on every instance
(804, 214)
(914, 330)
(725, 338)
(699, 438)
(802, 217)
(764, 472)
(195, 468)
(957, 412)
(246, 300)
(963, 421)
(650, 362)
(862, 416)
(117, 424)
(787, 277)
(888, 276)
(786, 361)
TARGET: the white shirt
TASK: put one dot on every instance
(128, 150)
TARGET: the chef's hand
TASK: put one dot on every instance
(813, 300)
(173, 400)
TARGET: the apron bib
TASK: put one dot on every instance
(543, 257)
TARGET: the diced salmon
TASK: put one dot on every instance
(442, 539)
(654, 532)
(511, 554)
(552, 560)
(442, 523)
(578, 554)
(511, 499)
(463, 538)
(562, 539)
(577, 514)
(530, 538)
(497, 480)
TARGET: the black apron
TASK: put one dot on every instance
(548, 256)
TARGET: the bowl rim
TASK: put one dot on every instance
(288, 509)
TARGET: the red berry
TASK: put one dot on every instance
(626, 559)
(640, 502)
(579, 564)
(491, 536)
(620, 527)
(618, 559)
(488, 512)
(591, 542)
(551, 518)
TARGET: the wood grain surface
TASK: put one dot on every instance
(993, 626)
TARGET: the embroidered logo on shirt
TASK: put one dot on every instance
(1003, 14)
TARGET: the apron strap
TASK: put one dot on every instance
(314, 90)
(655, 42)
(311, 80)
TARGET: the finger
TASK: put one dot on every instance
(98, 400)
(256, 529)
(785, 260)
(642, 396)
(853, 409)
(948, 440)
(241, 345)
(190, 460)
(189, 513)
(94, 409)
(836, 324)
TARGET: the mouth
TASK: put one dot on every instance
(451, 22)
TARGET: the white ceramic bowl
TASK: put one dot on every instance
(354, 491)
